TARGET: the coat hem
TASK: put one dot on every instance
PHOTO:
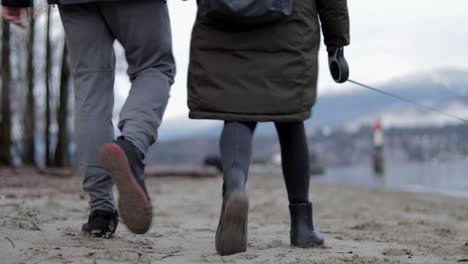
(251, 117)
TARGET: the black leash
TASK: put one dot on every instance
(339, 70)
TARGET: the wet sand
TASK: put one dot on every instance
(41, 217)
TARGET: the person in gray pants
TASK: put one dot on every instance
(143, 29)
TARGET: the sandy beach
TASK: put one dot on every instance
(41, 217)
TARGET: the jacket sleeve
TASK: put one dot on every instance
(17, 3)
(334, 18)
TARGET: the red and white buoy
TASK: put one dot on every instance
(378, 135)
(378, 158)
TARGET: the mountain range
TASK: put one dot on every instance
(445, 89)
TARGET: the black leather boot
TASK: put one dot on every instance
(302, 227)
(231, 235)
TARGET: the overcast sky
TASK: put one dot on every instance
(389, 39)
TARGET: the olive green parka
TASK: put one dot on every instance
(267, 73)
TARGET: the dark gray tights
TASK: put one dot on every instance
(236, 153)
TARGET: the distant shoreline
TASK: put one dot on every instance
(447, 178)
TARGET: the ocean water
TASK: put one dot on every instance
(449, 178)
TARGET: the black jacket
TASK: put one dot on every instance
(17, 3)
(28, 3)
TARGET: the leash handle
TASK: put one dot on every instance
(338, 65)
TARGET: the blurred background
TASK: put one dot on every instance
(414, 49)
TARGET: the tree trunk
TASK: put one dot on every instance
(29, 119)
(47, 86)
(5, 121)
(61, 151)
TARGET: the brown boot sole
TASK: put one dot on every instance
(134, 206)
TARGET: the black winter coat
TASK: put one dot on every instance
(28, 3)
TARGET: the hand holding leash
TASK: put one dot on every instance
(338, 65)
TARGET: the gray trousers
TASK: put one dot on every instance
(143, 29)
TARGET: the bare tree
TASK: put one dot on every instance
(5, 121)
(61, 151)
(29, 118)
(48, 73)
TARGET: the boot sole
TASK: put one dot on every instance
(313, 245)
(317, 243)
(134, 205)
(231, 236)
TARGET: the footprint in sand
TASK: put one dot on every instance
(397, 252)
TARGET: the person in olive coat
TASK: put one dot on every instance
(263, 74)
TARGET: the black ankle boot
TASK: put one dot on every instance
(302, 227)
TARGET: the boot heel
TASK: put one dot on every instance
(231, 236)
(302, 228)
